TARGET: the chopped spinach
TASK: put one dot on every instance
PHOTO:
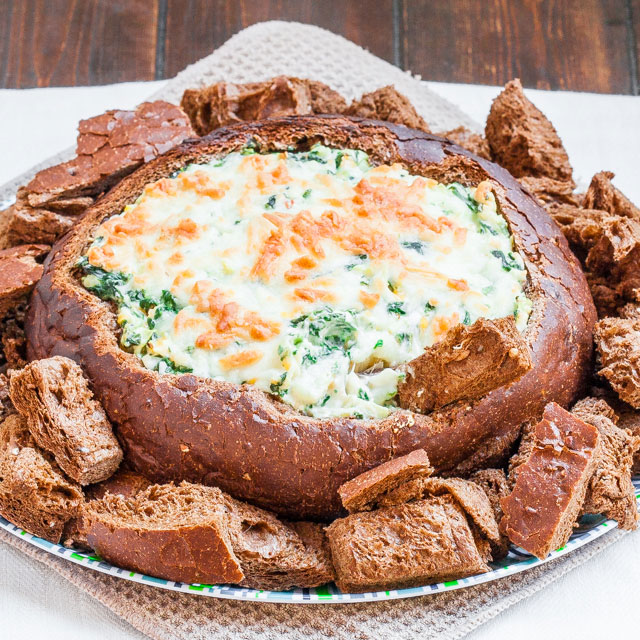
(378, 344)
(325, 400)
(465, 195)
(103, 283)
(169, 301)
(270, 203)
(467, 318)
(172, 367)
(339, 157)
(309, 359)
(414, 246)
(276, 387)
(484, 227)
(509, 261)
(428, 307)
(361, 257)
(393, 287)
(403, 337)
(363, 395)
(397, 308)
(306, 194)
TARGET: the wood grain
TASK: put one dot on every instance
(62, 42)
(564, 44)
(187, 39)
(581, 45)
(634, 42)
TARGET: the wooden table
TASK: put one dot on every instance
(581, 45)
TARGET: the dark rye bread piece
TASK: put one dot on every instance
(618, 344)
(522, 139)
(601, 194)
(364, 491)
(406, 545)
(123, 483)
(467, 139)
(275, 555)
(65, 419)
(176, 427)
(20, 269)
(176, 533)
(468, 363)
(387, 104)
(34, 493)
(610, 489)
(494, 483)
(193, 533)
(470, 496)
(550, 488)
(109, 146)
(226, 103)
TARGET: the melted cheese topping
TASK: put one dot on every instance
(311, 275)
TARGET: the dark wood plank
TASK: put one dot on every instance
(579, 45)
(633, 9)
(196, 27)
(65, 42)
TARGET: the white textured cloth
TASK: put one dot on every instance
(598, 597)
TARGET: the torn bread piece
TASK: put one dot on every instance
(109, 146)
(363, 492)
(494, 483)
(20, 269)
(437, 544)
(618, 345)
(551, 485)
(610, 492)
(194, 533)
(522, 139)
(65, 419)
(472, 498)
(387, 103)
(630, 419)
(173, 532)
(549, 191)
(123, 483)
(276, 555)
(226, 103)
(469, 362)
(601, 194)
(469, 140)
(34, 493)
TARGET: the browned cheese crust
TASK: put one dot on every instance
(257, 448)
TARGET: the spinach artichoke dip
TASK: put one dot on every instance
(310, 275)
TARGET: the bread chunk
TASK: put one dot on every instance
(34, 494)
(466, 364)
(523, 140)
(193, 533)
(364, 491)
(65, 419)
(387, 103)
(601, 194)
(276, 555)
(324, 99)
(225, 103)
(550, 191)
(494, 483)
(610, 489)
(618, 345)
(469, 495)
(469, 140)
(173, 532)
(403, 546)
(550, 489)
(123, 483)
(20, 269)
(109, 146)
(630, 420)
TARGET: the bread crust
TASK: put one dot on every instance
(175, 428)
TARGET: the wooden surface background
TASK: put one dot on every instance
(580, 45)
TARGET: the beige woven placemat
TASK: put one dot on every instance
(257, 53)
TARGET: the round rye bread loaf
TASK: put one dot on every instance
(252, 445)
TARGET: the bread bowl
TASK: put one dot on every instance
(177, 426)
